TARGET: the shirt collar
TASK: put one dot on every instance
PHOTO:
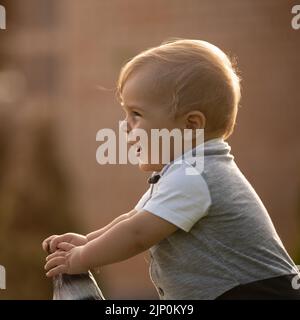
(191, 153)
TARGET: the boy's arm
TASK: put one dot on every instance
(122, 241)
(126, 239)
(51, 243)
(95, 234)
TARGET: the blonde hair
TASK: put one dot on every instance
(200, 77)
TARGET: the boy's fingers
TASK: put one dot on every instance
(46, 247)
(57, 261)
(49, 238)
(54, 242)
(65, 246)
(45, 244)
(57, 253)
(57, 270)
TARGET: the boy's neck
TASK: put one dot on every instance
(212, 136)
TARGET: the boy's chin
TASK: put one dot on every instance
(150, 167)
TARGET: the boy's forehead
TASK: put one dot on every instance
(144, 87)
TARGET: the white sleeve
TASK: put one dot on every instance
(143, 199)
(180, 199)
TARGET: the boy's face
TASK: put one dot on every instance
(145, 108)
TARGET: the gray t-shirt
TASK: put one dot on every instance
(225, 237)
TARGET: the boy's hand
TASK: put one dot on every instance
(66, 260)
(51, 244)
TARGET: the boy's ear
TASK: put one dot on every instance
(195, 120)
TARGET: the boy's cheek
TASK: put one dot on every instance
(158, 161)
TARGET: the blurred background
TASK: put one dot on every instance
(59, 62)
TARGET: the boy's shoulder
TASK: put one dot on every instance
(190, 168)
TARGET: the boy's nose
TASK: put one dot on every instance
(130, 136)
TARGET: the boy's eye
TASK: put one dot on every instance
(136, 114)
